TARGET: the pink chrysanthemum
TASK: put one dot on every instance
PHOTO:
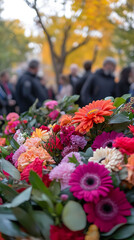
(62, 173)
(51, 104)
(91, 181)
(18, 152)
(109, 211)
(70, 155)
(125, 145)
(106, 139)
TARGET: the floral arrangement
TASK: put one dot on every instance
(68, 173)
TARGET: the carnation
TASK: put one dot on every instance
(54, 114)
(45, 128)
(18, 152)
(35, 166)
(66, 133)
(60, 233)
(125, 145)
(62, 173)
(69, 149)
(12, 116)
(79, 141)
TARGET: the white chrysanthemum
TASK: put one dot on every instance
(110, 157)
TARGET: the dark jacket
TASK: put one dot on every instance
(98, 86)
(73, 82)
(80, 84)
(122, 88)
(28, 89)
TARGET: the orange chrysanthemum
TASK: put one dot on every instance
(30, 155)
(30, 142)
(65, 119)
(92, 113)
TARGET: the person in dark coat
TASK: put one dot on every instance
(73, 76)
(123, 85)
(7, 93)
(29, 88)
(101, 84)
(80, 83)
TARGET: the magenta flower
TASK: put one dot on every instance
(91, 181)
(109, 211)
(66, 133)
(106, 139)
(62, 173)
(54, 114)
(51, 104)
(69, 149)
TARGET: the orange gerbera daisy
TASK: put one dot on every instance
(65, 119)
(92, 113)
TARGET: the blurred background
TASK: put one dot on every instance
(61, 32)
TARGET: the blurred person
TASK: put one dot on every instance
(124, 83)
(47, 90)
(101, 84)
(87, 67)
(131, 88)
(67, 89)
(73, 76)
(8, 92)
(29, 88)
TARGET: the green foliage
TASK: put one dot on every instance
(9, 168)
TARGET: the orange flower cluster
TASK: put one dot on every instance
(92, 113)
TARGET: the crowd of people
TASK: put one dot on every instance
(90, 86)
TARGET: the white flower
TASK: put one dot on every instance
(110, 157)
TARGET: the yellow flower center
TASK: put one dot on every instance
(93, 111)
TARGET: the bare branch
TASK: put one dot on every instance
(95, 53)
(66, 34)
(86, 40)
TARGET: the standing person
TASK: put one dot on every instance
(28, 88)
(73, 76)
(101, 84)
(124, 82)
(66, 89)
(8, 94)
(80, 83)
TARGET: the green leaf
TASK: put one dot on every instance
(126, 96)
(55, 188)
(44, 222)
(115, 178)
(10, 169)
(42, 199)
(73, 216)
(119, 118)
(130, 196)
(4, 152)
(14, 144)
(27, 220)
(7, 192)
(32, 123)
(130, 220)
(59, 208)
(21, 198)
(74, 160)
(112, 230)
(10, 229)
(110, 97)
(123, 173)
(37, 183)
(7, 214)
(119, 101)
(124, 232)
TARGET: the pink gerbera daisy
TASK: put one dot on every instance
(91, 181)
(109, 211)
(106, 139)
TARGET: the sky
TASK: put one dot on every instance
(17, 9)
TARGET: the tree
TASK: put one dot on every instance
(14, 45)
(123, 38)
(65, 34)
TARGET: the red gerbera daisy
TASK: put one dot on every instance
(92, 113)
(60, 233)
(109, 211)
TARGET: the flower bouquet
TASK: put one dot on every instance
(70, 176)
